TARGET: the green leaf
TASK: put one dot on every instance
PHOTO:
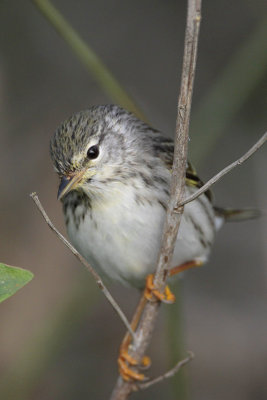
(12, 279)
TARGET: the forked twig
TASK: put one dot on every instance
(97, 278)
(225, 171)
(168, 374)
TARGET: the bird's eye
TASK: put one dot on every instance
(93, 152)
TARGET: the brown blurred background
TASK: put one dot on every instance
(58, 336)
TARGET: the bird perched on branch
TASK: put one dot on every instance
(115, 174)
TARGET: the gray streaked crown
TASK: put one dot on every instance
(116, 129)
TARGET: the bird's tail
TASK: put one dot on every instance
(236, 215)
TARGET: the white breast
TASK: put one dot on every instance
(121, 237)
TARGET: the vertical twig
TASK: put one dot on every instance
(174, 212)
(174, 336)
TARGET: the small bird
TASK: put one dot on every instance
(115, 173)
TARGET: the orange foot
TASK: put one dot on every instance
(151, 292)
(126, 361)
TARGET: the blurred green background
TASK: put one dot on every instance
(59, 337)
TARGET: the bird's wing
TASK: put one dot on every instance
(192, 179)
(165, 149)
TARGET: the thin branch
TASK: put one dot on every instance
(97, 278)
(144, 332)
(88, 57)
(173, 220)
(168, 374)
(225, 171)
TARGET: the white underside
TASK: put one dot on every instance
(122, 238)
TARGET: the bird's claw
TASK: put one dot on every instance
(151, 292)
(126, 361)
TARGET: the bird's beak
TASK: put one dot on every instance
(69, 183)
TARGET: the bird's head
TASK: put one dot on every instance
(95, 147)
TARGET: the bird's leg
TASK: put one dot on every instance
(184, 267)
(167, 296)
(125, 360)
